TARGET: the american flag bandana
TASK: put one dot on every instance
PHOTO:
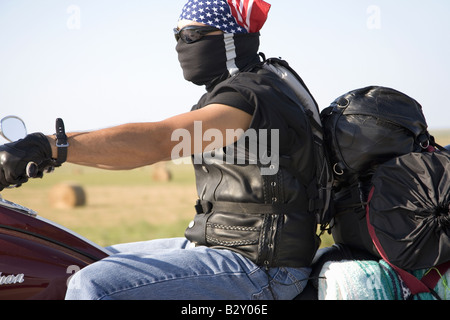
(230, 16)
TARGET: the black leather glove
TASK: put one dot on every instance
(15, 156)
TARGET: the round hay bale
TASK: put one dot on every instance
(161, 173)
(67, 196)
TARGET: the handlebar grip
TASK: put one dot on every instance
(32, 170)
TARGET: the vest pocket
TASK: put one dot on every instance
(233, 229)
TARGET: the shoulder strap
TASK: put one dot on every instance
(319, 192)
(296, 83)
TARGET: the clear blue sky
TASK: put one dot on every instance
(98, 63)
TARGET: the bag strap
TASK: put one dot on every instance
(415, 285)
(204, 206)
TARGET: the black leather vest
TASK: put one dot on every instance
(263, 217)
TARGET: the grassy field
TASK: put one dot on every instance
(124, 206)
(442, 137)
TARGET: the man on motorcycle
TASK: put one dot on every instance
(250, 239)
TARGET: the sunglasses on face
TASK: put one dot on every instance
(191, 34)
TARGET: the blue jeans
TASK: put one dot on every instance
(170, 269)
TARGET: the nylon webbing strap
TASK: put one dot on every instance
(61, 142)
(241, 207)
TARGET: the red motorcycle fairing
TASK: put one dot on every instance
(37, 257)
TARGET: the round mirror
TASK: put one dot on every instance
(12, 128)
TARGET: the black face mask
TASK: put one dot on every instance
(215, 58)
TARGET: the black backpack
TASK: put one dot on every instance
(319, 193)
(368, 126)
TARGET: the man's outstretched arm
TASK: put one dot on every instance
(134, 145)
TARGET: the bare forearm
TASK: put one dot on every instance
(138, 144)
(123, 147)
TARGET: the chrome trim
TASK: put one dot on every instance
(18, 207)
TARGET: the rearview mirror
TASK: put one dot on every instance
(12, 128)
